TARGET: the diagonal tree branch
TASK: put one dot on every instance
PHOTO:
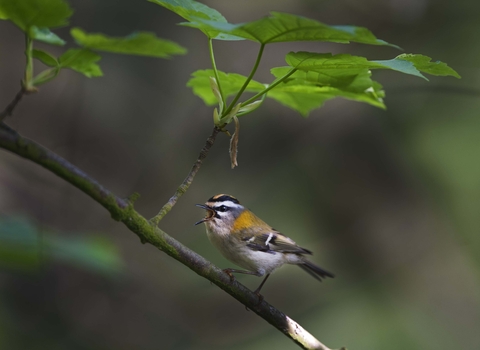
(122, 210)
(188, 180)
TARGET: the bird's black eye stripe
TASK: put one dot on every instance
(222, 208)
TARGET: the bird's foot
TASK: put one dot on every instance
(260, 300)
(230, 274)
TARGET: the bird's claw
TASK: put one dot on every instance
(260, 300)
(230, 274)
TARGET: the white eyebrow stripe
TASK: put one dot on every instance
(229, 204)
(270, 236)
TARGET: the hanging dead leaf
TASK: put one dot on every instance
(234, 144)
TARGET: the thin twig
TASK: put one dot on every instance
(122, 210)
(9, 110)
(188, 180)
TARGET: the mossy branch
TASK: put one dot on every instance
(122, 210)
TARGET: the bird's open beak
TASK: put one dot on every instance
(210, 213)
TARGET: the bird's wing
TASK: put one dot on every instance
(271, 241)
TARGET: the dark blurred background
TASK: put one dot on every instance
(388, 200)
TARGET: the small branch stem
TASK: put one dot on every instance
(28, 81)
(122, 210)
(188, 180)
(245, 84)
(270, 87)
(11, 106)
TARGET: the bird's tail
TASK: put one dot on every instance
(315, 271)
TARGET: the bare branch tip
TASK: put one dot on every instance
(133, 197)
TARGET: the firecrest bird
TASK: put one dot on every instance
(251, 243)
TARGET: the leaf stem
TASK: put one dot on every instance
(214, 66)
(188, 180)
(245, 84)
(269, 87)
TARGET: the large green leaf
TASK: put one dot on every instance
(338, 65)
(422, 63)
(82, 61)
(310, 90)
(298, 93)
(40, 13)
(3, 15)
(140, 43)
(283, 27)
(344, 64)
(231, 84)
(190, 9)
(299, 97)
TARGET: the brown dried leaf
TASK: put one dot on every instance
(234, 144)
